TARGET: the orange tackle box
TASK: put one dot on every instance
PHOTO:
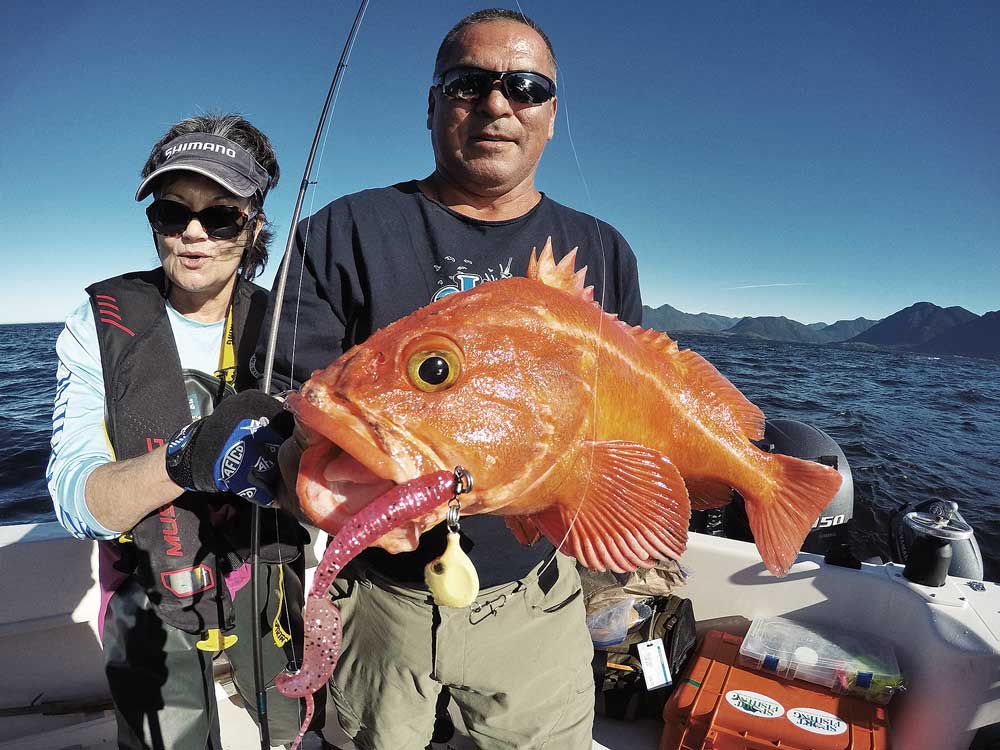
(720, 705)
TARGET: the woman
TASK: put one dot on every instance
(149, 355)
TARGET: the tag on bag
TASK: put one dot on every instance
(655, 669)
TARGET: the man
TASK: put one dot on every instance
(517, 661)
(162, 352)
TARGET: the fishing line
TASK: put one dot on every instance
(603, 278)
(305, 242)
(298, 298)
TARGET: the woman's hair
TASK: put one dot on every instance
(240, 131)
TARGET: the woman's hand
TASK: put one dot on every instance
(233, 449)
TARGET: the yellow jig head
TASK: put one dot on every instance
(452, 578)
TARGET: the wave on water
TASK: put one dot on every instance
(973, 396)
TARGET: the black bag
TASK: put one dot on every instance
(620, 688)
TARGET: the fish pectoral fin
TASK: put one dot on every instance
(524, 529)
(702, 376)
(634, 510)
(780, 522)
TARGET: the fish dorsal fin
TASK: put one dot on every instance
(563, 275)
(655, 339)
(634, 512)
(701, 374)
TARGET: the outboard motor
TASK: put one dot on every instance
(931, 538)
(798, 439)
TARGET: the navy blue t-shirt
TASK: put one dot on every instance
(376, 256)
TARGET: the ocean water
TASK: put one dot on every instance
(912, 427)
(27, 390)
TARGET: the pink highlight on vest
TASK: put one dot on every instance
(109, 579)
(237, 579)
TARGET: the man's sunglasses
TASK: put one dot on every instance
(219, 222)
(472, 84)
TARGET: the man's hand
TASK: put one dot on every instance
(233, 449)
(288, 461)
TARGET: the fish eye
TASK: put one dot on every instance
(433, 370)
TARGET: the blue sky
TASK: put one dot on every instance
(809, 159)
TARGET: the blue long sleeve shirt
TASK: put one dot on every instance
(79, 440)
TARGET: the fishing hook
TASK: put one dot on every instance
(463, 484)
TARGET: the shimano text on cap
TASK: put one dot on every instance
(215, 157)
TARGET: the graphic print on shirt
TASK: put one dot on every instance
(463, 278)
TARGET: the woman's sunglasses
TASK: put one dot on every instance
(471, 84)
(171, 218)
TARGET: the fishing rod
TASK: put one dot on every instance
(272, 339)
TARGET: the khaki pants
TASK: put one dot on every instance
(517, 663)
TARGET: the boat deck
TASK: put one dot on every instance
(96, 731)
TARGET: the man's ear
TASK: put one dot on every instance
(552, 119)
(430, 107)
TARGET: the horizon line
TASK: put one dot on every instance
(644, 304)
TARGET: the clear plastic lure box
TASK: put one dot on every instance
(848, 663)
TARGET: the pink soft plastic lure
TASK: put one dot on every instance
(322, 619)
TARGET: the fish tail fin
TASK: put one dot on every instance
(781, 521)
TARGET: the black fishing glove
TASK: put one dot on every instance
(233, 449)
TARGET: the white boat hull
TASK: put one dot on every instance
(947, 640)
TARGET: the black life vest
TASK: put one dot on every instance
(182, 551)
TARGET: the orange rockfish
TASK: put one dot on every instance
(574, 425)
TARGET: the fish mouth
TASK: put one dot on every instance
(347, 428)
(347, 469)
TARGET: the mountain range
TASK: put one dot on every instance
(922, 327)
